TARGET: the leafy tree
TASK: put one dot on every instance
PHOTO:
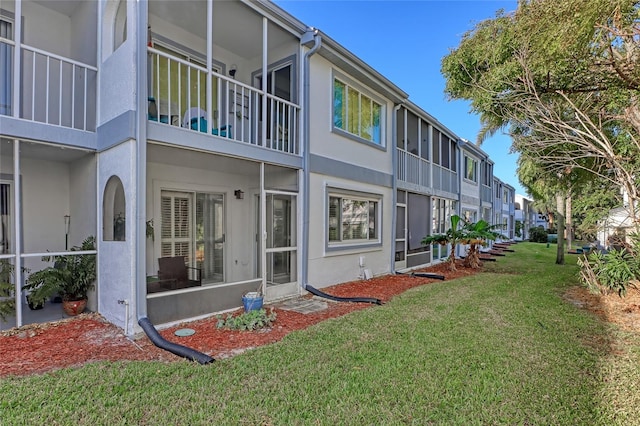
(562, 79)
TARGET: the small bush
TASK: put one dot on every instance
(614, 271)
(252, 320)
(538, 235)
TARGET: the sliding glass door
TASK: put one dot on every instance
(193, 227)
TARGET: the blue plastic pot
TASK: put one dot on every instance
(252, 301)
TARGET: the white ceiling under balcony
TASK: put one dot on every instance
(236, 27)
(65, 7)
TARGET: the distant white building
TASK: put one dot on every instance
(527, 216)
(617, 225)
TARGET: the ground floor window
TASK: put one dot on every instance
(442, 210)
(5, 218)
(470, 215)
(353, 219)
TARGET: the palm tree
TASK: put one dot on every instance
(477, 234)
(452, 236)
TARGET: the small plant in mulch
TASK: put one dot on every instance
(252, 320)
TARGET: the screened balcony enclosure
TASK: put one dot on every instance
(224, 94)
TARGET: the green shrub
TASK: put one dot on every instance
(614, 271)
(252, 320)
(538, 235)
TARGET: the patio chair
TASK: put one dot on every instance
(196, 119)
(175, 270)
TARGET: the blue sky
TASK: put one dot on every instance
(405, 41)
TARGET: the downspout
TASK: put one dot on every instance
(460, 159)
(394, 185)
(141, 159)
(141, 185)
(312, 34)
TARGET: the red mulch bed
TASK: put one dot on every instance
(39, 348)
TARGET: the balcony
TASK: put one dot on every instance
(54, 81)
(52, 89)
(178, 96)
(415, 170)
(226, 69)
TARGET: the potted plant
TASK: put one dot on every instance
(71, 276)
(7, 289)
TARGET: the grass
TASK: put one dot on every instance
(500, 347)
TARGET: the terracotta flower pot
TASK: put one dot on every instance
(74, 307)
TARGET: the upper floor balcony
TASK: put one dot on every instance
(416, 170)
(48, 67)
(239, 82)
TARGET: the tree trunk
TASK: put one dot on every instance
(560, 224)
(452, 258)
(569, 227)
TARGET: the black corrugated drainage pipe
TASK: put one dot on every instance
(174, 348)
(319, 293)
(423, 275)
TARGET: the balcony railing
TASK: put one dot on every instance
(52, 89)
(416, 170)
(445, 179)
(413, 169)
(178, 93)
(486, 193)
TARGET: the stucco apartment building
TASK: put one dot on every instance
(228, 134)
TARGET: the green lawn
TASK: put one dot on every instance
(500, 347)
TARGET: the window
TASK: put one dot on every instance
(470, 215)
(6, 67)
(114, 211)
(353, 219)
(5, 218)
(487, 174)
(470, 169)
(356, 113)
(505, 196)
(120, 25)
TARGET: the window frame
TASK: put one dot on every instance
(470, 161)
(341, 243)
(360, 91)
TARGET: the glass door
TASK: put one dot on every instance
(6, 67)
(280, 85)
(193, 227)
(401, 237)
(210, 237)
(281, 245)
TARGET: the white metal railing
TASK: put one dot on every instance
(178, 96)
(413, 168)
(53, 89)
